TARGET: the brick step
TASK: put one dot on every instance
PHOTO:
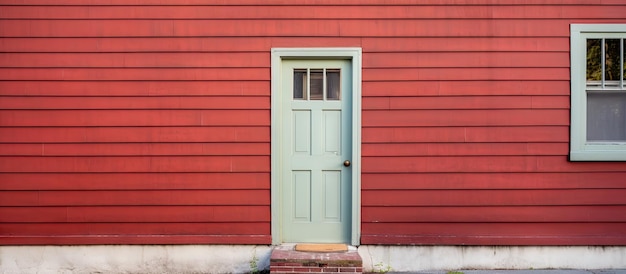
(286, 259)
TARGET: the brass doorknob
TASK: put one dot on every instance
(346, 163)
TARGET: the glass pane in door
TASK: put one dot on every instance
(299, 84)
(317, 84)
(333, 85)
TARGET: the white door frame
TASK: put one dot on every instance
(279, 54)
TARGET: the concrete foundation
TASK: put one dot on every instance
(418, 258)
(247, 258)
(134, 259)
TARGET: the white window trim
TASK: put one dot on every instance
(580, 149)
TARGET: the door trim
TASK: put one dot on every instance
(279, 54)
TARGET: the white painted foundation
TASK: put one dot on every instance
(238, 258)
(133, 259)
(417, 258)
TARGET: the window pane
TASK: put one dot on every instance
(317, 84)
(594, 61)
(612, 62)
(299, 84)
(333, 86)
(606, 117)
(624, 59)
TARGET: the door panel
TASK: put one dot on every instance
(332, 196)
(302, 132)
(302, 196)
(332, 132)
(315, 185)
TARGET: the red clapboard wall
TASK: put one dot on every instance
(148, 122)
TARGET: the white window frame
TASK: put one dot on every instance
(580, 149)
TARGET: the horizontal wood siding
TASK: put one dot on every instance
(466, 132)
(148, 122)
(155, 142)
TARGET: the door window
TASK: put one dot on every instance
(317, 84)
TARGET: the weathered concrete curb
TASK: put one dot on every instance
(503, 271)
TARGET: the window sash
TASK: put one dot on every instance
(603, 83)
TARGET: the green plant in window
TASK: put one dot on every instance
(611, 57)
(594, 61)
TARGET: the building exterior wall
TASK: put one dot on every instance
(149, 122)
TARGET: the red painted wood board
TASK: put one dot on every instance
(150, 239)
(135, 60)
(491, 180)
(136, 164)
(135, 214)
(305, 3)
(261, 44)
(465, 44)
(492, 197)
(135, 88)
(415, 88)
(466, 60)
(135, 197)
(495, 164)
(465, 134)
(412, 135)
(496, 229)
(520, 134)
(288, 27)
(497, 240)
(462, 74)
(170, 117)
(464, 149)
(127, 149)
(135, 181)
(459, 118)
(169, 44)
(140, 134)
(134, 74)
(507, 233)
(557, 164)
(252, 88)
(491, 214)
(465, 102)
(259, 59)
(61, 229)
(337, 11)
(136, 102)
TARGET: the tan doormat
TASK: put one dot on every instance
(322, 247)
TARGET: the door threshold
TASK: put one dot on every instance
(316, 247)
(321, 247)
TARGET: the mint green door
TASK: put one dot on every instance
(316, 151)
